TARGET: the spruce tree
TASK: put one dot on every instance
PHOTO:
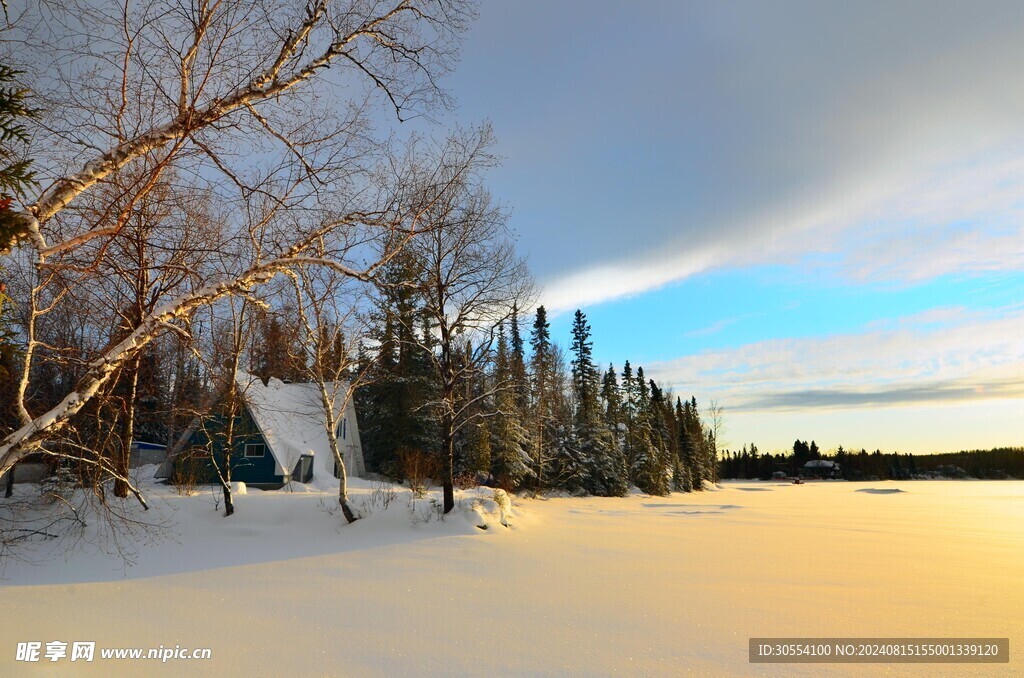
(510, 444)
(396, 417)
(612, 399)
(479, 455)
(682, 481)
(598, 450)
(696, 449)
(661, 436)
(543, 420)
(567, 468)
(517, 363)
(16, 174)
(648, 470)
(628, 412)
(472, 451)
(277, 352)
(584, 374)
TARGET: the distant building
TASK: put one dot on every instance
(143, 453)
(820, 468)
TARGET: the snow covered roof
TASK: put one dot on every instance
(821, 463)
(291, 418)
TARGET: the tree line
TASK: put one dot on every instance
(997, 463)
(538, 418)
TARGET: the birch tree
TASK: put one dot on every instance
(265, 103)
(325, 308)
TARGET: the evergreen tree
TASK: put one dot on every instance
(517, 363)
(696, 442)
(567, 468)
(842, 460)
(681, 479)
(584, 374)
(16, 174)
(612, 399)
(396, 418)
(564, 439)
(801, 454)
(510, 458)
(597, 448)
(662, 425)
(628, 412)
(277, 351)
(478, 454)
(545, 396)
(471, 448)
(648, 471)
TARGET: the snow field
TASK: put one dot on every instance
(587, 586)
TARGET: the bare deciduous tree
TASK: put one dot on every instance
(715, 429)
(263, 103)
(472, 278)
(325, 308)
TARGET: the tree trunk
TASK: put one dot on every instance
(122, 462)
(229, 506)
(350, 515)
(448, 482)
(229, 448)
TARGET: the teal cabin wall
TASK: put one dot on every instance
(249, 470)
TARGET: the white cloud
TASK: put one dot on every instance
(625, 279)
(965, 217)
(940, 355)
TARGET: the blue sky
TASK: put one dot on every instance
(809, 211)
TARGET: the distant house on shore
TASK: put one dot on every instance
(820, 468)
(279, 436)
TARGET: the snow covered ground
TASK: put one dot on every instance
(639, 585)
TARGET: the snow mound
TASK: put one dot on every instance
(504, 504)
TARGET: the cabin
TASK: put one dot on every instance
(280, 436)
(820, 468)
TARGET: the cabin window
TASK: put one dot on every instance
(255, 450)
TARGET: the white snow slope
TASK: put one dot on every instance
(587, 586)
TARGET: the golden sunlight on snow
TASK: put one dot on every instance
(640, 585)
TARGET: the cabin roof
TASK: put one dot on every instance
(291, 418)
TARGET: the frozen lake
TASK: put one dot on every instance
(639, 585)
